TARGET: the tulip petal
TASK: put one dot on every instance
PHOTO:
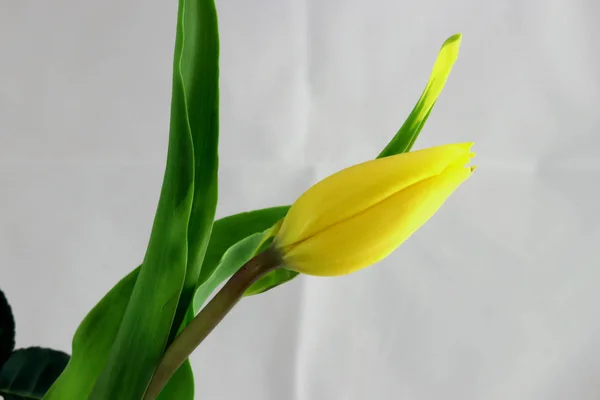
(357, 188)
(373, 234)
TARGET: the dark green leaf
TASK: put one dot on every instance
(7, 329)
(28, 373)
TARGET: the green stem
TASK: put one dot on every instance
(209, 318)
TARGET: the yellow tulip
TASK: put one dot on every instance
(358, 216)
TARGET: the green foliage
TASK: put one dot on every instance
(408, 133)
(199, 74)
(230, 230)
(168, 276)
(28, 373)
(233, 259)
(7, 329)
(97, 332)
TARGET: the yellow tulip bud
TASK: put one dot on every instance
(358, 216)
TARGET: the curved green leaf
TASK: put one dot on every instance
(408, 133)
(28, 373)
(92, 343)
(199, 68)
(144, 330)
(7, 329)
(168, 277)
(233, 259)
(230, 230)
(97, 332)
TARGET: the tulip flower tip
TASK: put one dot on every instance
(473, 168)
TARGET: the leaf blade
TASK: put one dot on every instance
(148, 318)
(200, 78)
(96, 333)
(409, 131)
(233, 259)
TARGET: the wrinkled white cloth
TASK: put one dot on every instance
(495, 298)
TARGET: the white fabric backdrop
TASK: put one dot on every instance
(495, 298)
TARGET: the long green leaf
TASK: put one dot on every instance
(144, 331)
(97, 332)
(28, 373)
(200, 77)
(7, 329)
(408, 133)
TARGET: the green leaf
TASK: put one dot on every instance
(7, 329)
(144, 331)
(270, 281)
(169, 274)
(97, 332)
(408, 133)
(28, 373)
(199, 69)
(92, 343)
(230, 230)
(233, 259)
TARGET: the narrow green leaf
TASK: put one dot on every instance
(7, 329)
(92, 343)
(230, 230)
(233, 259)
(270, 281)
(144, 331)
(411, 128)
(200, 77)
(28, 373)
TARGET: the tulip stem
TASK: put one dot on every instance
(210, 316)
